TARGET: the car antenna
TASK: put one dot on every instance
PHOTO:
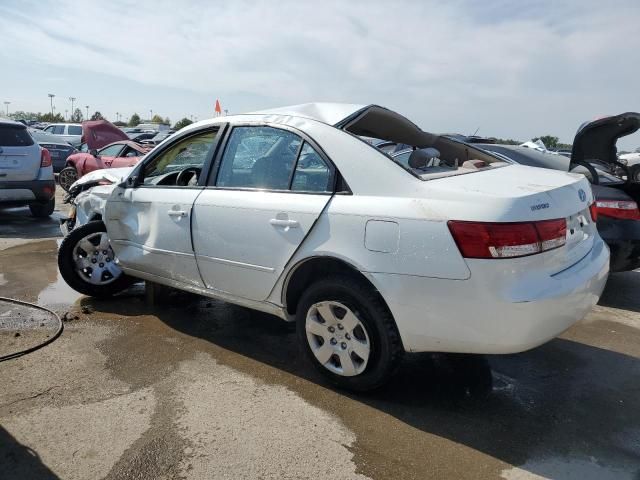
(474, 133)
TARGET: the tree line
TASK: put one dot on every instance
(78, 117)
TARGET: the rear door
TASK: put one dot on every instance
(19, 154)
(271, 187)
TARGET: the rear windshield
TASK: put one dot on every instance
(14, 136)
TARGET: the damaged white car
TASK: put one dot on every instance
(289, 212)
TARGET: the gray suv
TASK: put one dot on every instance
(26, 173)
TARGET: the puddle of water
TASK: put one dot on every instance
(58, 293)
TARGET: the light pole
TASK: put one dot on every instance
(51, 95)
(73, 99)
(151, 117)
(65, 114)
(7, 104)
(87, 107)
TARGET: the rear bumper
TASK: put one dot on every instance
(24, 192)
(623, 238)
(494, 311)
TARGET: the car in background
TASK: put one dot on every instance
(71, 132)
(26, 173)
(123, 153)
(287, 211)
(58, 148)
(141, 136)
(158, 137)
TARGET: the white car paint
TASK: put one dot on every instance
(392, 228)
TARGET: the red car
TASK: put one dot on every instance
(100, 135)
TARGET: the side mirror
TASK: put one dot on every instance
(132, 182)
(93, 152)
(420, 158)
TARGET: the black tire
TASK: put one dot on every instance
(634, 174)
(386, 349)
(43, 210)
(68, 269)
(66, 177)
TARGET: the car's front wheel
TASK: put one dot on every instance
(348, 333)
(67, 177)
(43, 210)
(88, 264)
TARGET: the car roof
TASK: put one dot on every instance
(7, 121)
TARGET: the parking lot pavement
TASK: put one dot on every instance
(197, 388)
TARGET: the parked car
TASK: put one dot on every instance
(71, 132)
(141, 136)
(123, 153)
(158, 137)
(618, 216)
(58, 148)
(287, 211)
(26, 174)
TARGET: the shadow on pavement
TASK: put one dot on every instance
(19, 461)
(564, 400)
(18, 223)
(622, 291)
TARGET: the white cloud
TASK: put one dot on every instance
(522, 70)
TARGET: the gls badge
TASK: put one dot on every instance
(582, 195)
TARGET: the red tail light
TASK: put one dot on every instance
(622, 209)
(507, 240)
(45, 158)
(593, 210)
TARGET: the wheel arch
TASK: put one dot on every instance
(305, 271)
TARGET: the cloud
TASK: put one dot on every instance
(513, 69)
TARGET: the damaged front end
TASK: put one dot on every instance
(88, 195)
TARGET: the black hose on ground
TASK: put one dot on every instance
(40, 345)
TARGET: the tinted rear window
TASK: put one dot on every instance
(11, 136)
(75, 130)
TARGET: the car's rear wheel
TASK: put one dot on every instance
(67, 177)
(88, 264)
(42, 210)
(348, 333)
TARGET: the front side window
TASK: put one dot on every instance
(110, 151)
(259, 157)
(58, 130)
(190, 153)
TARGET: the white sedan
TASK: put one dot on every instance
(290, 212)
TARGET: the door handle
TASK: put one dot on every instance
(277, 222)
(177, 213)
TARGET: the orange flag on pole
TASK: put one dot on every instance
(218, 109)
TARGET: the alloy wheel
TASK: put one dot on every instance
(95, 261)
(337, 337)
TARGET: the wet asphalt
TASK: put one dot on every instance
(196, 388)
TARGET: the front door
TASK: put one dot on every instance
(150, 225)
(270, 189)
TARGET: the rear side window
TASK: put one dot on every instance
(11, 136)
(75, 130)
(312, 173)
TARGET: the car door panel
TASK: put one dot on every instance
(244, 239)
(150, 231)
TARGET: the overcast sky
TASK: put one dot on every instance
(509, 69)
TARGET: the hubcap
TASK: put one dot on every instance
(95, 261)
(66, 179)
(337, 338)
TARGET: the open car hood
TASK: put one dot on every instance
(99, 133)
(596, 140)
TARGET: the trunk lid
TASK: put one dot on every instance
(596, 140)
(517, 193)
(19, 154)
